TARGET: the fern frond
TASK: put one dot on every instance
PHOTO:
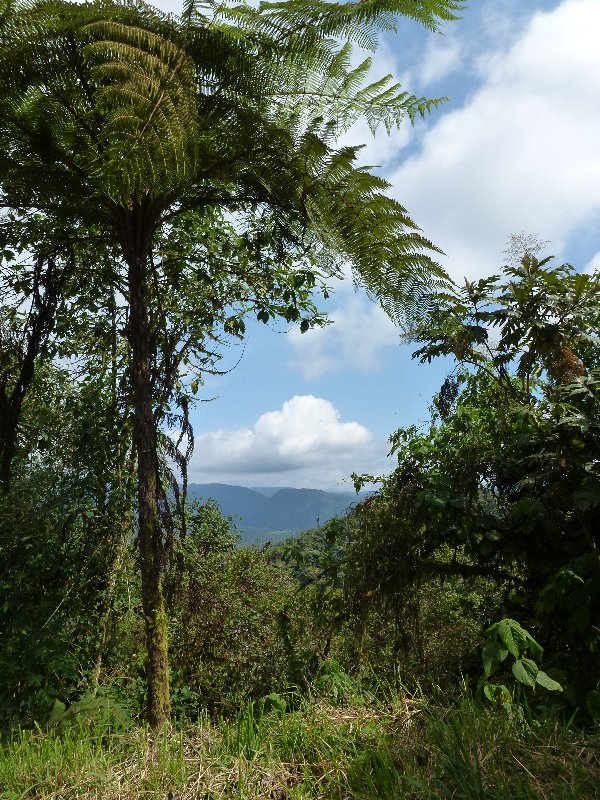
(375, 234)
(115, 104)
(358, 21)
(147, 95)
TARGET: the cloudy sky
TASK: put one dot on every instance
(515, 149)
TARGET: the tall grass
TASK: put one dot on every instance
(403, 749)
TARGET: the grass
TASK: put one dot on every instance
(403, 749)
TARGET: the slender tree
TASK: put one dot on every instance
(22, 343)
(117, 116)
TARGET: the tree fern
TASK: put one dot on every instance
(120, 117)
(130, 103)
(357, 21)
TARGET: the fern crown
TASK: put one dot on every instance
(111, 106)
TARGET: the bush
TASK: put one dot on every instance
(224, 603)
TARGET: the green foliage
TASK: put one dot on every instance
(504, 479)
(335, 684)
(179, 115)
(53, 579)
(93, 711)
(158, 136)
(506, 638)
(404, 748)
(61, 534)
(421, 634)
(373, 773)
(491, 511)
(223, 604)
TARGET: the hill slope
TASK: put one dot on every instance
(261, 517)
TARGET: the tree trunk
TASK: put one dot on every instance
(46, 291)
(150, 541)
(8, 442)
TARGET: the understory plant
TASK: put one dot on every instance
(504, 639)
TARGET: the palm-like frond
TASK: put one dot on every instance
(147, 96)
(357, 21)
(389, 255)
(115, 103)
(338, 94)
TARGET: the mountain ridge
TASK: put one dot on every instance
(274, 516)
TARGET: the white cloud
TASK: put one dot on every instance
(356, 339)
(379, 149)
(304, 443)
(442, 58)
(593, 264)
(522, 154)
(501, 23)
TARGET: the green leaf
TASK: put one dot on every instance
(493, 654)
(535, 648)
(57, 713)
(512, 635)
(547, 682)
(496, 693)
(263, 316)
(525, 671)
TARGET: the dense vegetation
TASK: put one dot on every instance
(492, 513)
(171, 175)
(456, 606)
(440, 640)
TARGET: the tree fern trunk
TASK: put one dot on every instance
(150, 544)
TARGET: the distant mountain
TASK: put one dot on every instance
(273, 514)
(268, 491)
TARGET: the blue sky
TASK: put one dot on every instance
(515, 149)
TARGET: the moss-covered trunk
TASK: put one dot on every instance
(136, 248)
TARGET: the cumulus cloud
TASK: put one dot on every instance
(304, 443)
(380, 149)
(442, 58)
(357, 339)
(522, 153)
(593, 264)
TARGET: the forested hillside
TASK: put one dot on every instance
(163, 179)
(283, 512)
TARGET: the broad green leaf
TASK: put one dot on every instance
(525, 671)
(496, 693)
(512, 635)
(535, 648)
(520, 636)
(547, 682)
(493, 654)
